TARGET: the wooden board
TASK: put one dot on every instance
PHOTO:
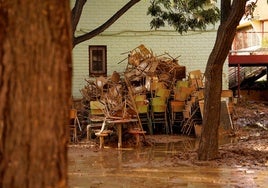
(225, 119)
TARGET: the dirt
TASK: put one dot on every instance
(250, 140)
(249, 147)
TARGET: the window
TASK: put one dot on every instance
(97, 61)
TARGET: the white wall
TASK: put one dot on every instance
(131, 30)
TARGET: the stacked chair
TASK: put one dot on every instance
(142, 105)
(181, 93)
(159, 113)
(159, 108)
(176, 114)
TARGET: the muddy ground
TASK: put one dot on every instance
(248, 148)
(250, 140)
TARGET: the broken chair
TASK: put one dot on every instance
(96, 117)
(191, 117)
(74, 122)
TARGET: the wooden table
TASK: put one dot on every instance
(119, 123)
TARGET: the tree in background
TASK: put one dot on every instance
(187, 15)
(76, 14)
(35, 92)
(183, 15)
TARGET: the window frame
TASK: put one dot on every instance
(93, 72)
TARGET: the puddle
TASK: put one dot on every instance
(152, 167)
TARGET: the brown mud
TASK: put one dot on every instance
(171, 160)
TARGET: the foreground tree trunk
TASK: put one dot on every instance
(35, 92)
(208, 147)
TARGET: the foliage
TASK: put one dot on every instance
(183, 15)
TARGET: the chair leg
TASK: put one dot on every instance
(101, 142)
(166, 124)
(150, 126)
(75, 139)
(88, 132)
(101, 137)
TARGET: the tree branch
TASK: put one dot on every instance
(76, 13)
(104, 26)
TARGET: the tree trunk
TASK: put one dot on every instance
(208, 146)
(35, 92)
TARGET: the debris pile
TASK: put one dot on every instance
(143, 71)
(147, 69)
(155, 90)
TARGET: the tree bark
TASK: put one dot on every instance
(208, 146)
(35, 92)
(104, 26)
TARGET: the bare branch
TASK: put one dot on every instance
(76, 13)
(104, 26)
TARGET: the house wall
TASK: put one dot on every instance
(261, 12)
(131, 30)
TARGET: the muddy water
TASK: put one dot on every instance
(152, 167)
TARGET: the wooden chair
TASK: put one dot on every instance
(176, 112)
(159, 113)
(181, 83)
(96, 117)
(191, 117)
(102, 133)
(183, 93)
(142, 106)
(162, 92)
(155, 85)
(74, 122)
(196, 78)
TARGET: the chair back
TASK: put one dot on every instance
(162, 92)
(159, 108)
(140, 98)
(156, 85)
(96, 108)
(196, 78)
(177, 106)
(158, 101)
(73, 113)
(142, 108)
(159, 104)
(182, 93)
(181, 83)
(196, 74)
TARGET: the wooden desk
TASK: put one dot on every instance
(119, 123)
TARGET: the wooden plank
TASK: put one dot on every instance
(225, 118)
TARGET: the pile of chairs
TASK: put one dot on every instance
(171, 110)
(166, 108)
